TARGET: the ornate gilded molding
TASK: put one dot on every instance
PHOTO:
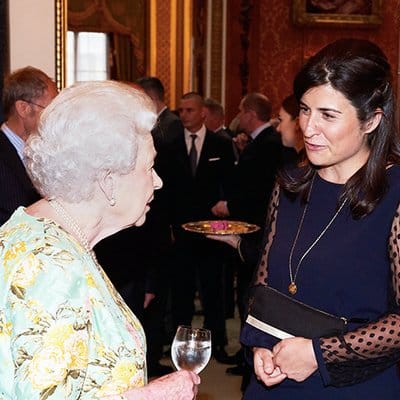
(60, 32)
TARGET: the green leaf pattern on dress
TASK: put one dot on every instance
(65, 333)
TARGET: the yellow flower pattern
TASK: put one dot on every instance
(121, 379)
(90, 281)
(27, 272)
(5, 326)
(14, 252)
(48, 367)
(64, 332)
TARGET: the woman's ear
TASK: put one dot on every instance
(374, 121)
(106, 183)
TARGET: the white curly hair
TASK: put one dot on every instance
(88, 129)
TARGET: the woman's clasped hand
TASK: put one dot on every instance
(291, 358)
(265, 368)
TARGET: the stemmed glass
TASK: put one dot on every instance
(191, 348)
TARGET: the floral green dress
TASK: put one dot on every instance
(65, 333)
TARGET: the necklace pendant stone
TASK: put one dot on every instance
(292, 288)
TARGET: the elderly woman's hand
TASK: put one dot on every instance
(180, 385)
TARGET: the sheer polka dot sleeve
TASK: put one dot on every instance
(269, 234)
(361, 354)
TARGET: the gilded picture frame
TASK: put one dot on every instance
(350, 13)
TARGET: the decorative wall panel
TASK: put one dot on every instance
(163, 69)
(172, 48)
(278, 48)
(217, 46)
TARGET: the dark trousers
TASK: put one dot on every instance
(154, 326)
(197, 259)
(244, 279)
(122, 258)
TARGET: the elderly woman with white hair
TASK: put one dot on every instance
(65, 333)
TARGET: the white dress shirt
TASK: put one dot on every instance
(15, 140)
(256, 132)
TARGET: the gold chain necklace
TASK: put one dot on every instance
(293, 286)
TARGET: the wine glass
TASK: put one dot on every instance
(191, 348)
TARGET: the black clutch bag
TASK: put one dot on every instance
(282, 316)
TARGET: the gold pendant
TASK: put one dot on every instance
(292, 288)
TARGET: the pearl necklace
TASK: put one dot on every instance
(292, 288)
(83, 240)
(72, 224)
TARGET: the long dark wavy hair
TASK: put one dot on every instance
(360, 71)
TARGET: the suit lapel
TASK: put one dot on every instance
(10, 156)
(254, 145)
(182, 154)
(205, 152)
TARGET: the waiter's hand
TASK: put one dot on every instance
(148, 297)
(220, 209)
(232, 240)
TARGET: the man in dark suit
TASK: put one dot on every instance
(256, 170)
(199, 173)
(168, 124)
(254, 178)
(155, 236)
(215, 118)
(26, 93)
(215, 121)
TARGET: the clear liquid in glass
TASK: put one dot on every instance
(191, 348)
(191, 355)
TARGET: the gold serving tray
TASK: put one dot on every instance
(220, 227)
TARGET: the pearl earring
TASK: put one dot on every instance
(112, 202)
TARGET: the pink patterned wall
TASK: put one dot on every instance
(278, 47)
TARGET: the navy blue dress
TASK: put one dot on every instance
(347, 273)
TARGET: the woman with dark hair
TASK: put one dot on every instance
(332, 239)
(288, 123)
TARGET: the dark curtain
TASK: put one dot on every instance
(123, 66)
(125, 22)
